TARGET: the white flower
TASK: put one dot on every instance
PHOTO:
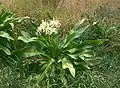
(94, 23)
(54, 23)
(49, 27)
(42, 27)
(53, 30)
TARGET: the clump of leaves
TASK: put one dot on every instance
(9, 36)
(63, 56)
(16, 44)
(55, 54)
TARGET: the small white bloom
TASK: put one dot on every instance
(53, 30)
(94, 23)
(54, 23)
(49, 27)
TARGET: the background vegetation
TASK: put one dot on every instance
(105, 69)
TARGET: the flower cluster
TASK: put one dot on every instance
(49, 27)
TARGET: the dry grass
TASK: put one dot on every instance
(68, 11)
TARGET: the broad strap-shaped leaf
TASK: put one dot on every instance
(44, 40)
(88, 54)
(67, 64)
(26, 38)
(55, 40)
(5, 35)
(8, 20)
(29, 51)
(41, 43)
(91, 43)
(73, 35)
(6, 50)
(19, 20)
(72, 50)
(48, 65)
(12, 25)
(6, 15)
(79, 51)
(26, 52)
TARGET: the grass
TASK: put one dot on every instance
(67, 11)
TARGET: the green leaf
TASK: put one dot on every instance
(41, 43)
(42, 75)
(26, 52)
(67, 64)
(90, 43)
(26, 38)
(62, 76)
(5, 35)
(81, 51)
(7, 21)
(88, 54)
(6, 15)
(73, 56)
(84, 65)
(6, 50)
(22, 19)
(73, 35)
(43, 40)
(72, 50)
(12, 25)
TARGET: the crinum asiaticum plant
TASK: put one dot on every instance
(14, 44)
(62, 55)
(15, 47)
